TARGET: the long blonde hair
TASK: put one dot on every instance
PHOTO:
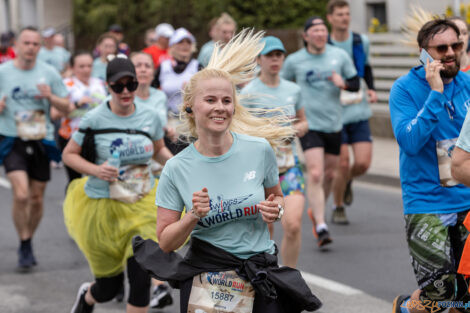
(236, 62)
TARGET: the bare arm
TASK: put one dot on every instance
(72, 158)
(301, 124)
(461, 166)
(161, 154)
(61, 104)
(173, 231)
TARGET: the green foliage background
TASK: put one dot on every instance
(93, 17)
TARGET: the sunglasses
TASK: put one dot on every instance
(456, 46)
(130, 86)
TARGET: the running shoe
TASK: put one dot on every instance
(397, 303)
(339, 216)
(314, 225)
(323, 238)
(26, 259)
(80, 305)
(161, 297)
(348, 194)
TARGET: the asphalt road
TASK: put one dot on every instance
(362, 271)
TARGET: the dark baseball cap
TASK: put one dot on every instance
(115, 28)
(312, 21)
(118, 68)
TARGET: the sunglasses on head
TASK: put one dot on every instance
(456, 46)
(130, 86)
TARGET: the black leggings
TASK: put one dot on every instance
(105, 289)
(259, 306)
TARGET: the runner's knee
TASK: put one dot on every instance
(362, 166)
(316, 175)
(105, 289)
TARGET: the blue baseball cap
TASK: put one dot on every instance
(272, 43)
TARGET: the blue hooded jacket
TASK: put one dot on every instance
(420, 118)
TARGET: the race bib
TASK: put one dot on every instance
(285, 158)
(351, 97)
(134, 183)
(215, 292)
(444, 150)
(31, 125)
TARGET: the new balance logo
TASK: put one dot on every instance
(249, 176)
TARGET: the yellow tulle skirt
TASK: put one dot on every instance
(103, 228)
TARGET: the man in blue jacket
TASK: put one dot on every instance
(427, 108)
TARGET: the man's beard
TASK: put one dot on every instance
(452, 71)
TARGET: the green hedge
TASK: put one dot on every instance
(93, 17)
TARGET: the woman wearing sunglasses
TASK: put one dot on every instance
(114, 203)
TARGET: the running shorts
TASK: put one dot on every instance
(356, 132)
(292, 181)
(331, 142)
(436, 242)
(28, 156)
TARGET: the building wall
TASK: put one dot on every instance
(15, 14)
(397, 10)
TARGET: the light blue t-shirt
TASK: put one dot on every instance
(55, 57)
(361, 111)
(99, 69)
(206, 52)
(235, 182)
(20, 89)
(464, 138)
(319, 96)
(133, 148)
(157, 100)
(286, 95)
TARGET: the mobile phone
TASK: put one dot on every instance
(424, 56)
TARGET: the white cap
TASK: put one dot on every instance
(180, 34)
(164, 30)
(48, 32)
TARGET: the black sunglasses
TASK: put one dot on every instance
(130, 86)
(456, 46)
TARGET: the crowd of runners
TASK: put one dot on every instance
(167, 147)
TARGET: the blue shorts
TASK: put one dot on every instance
(292, 181)
(356, 132)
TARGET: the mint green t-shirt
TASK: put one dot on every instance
(157, 100)
(319, 96)
(55, 57)
(206, 52)
(464, 138)
(99, 69)
(133, 148)
(286, 96)
(20, 89)
(361, 111)
(235, 182)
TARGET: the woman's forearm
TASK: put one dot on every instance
(175, 234)
(79, 164)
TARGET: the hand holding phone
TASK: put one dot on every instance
(424, 56)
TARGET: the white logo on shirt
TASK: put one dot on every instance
(290, 99)
(249, 176)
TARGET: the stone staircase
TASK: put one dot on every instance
(390, 58)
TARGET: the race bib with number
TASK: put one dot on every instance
(134, 182)
(31, 125)
(351, 97)
(285, 158)
(215, 292)
(444, 150)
